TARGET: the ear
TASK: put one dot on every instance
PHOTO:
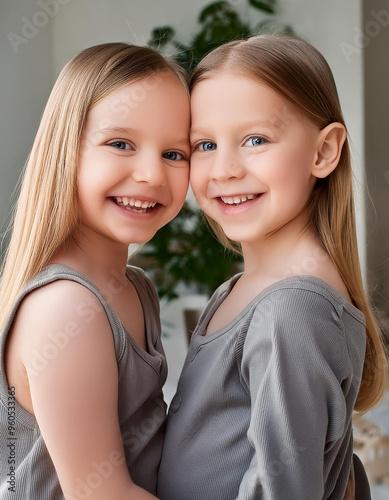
(329, 149)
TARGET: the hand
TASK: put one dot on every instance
(349, 494)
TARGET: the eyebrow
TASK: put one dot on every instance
(116, 130)
(273, 124)
(130, 131)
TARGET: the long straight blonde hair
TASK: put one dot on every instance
(298, 72)
(46, 214)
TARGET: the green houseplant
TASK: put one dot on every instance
(219, 22)
(185, 251)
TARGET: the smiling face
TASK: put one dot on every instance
(133, 171)
(252, 157)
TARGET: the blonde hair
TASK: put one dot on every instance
(46, 213)
(298, 72)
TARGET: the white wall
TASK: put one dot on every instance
(332, 26)
(90, 22)
(25, 82)
(79, 24)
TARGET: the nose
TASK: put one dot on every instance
(150, 168)
(226, 165)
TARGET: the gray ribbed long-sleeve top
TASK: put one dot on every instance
(263, 407)
(26, 470)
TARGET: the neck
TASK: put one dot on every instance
(97, 258)
(284, 253)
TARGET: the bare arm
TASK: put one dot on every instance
(75, 396)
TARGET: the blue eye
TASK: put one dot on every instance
(206, 146)
(255, 141)
(173, 155)
(120, 145)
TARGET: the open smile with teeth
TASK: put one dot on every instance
(134, 204)
(238, 200)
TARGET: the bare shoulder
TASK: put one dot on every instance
(312, 259)
(55, 325)
(328, 273)
(60, 295)
(60, 309)
(57, 305)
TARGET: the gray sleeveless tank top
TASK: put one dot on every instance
(26, 469)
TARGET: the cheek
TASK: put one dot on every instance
(179, 182)
(292, 188)
(294, 170)
(88, 166)
(197, 180)
(85, 192)
(87, 180)
(92, 183)
(195, 186)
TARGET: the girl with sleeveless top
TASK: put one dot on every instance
(82, 366)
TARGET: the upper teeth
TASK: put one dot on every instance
(134, 203)
(235, 200)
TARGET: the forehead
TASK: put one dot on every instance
(160, 96)
(233, 97)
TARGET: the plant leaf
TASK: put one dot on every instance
(185, 251)
(266, 6)
(161, 36)
(215, 11)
